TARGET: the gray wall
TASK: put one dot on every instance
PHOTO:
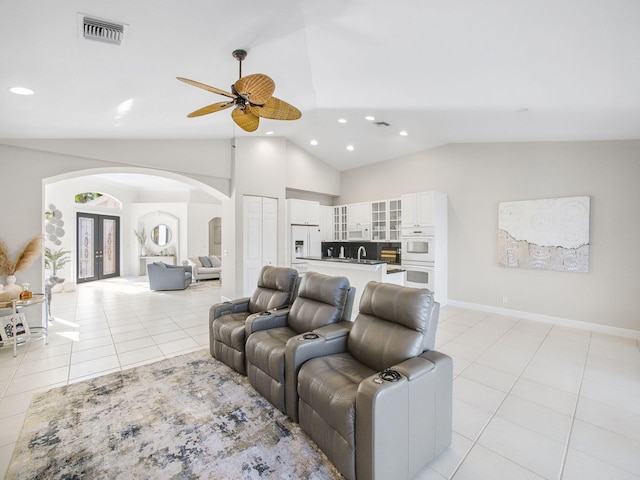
(478, 176)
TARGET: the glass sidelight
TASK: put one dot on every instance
(98, 247)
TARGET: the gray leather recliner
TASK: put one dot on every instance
(322, 300)
(380, 406)
(275, 290)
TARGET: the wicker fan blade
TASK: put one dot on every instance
(216, 107)
(245, 119)
(276, 109)
(206, 87)
(256, 88)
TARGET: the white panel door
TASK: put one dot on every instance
(269, 231)
(260, 242)
(252, 242)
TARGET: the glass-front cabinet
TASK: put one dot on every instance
(340, 223)
(379, 221)
(386, 220)
(395, 219)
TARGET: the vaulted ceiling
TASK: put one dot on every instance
(443, 71)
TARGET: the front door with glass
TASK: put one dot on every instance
(98, 247)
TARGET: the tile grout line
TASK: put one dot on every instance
(493, 414)
(575, 409)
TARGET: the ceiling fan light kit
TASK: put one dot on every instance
(252, 97)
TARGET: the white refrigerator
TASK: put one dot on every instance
(306, 241)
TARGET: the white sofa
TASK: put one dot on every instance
(206, 267)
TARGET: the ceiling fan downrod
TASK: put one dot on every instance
(239, 55)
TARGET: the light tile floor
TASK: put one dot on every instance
(531, 400)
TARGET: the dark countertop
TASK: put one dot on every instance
(344, 260)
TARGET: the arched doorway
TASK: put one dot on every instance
(215, 236)
(145, 194)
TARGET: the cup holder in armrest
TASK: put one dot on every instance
(264, 314)
(309, 336)
(390, 375)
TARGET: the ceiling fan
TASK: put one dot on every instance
(252, 97)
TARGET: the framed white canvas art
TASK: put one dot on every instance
(548, 234)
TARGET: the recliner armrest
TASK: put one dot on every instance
(334, 330)
(414, 368)
(328, 340)
(266, 320)
(225, 308)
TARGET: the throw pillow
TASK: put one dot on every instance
(215, 261)
(205, 261)
(196, 261)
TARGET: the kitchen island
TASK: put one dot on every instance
(359, 273)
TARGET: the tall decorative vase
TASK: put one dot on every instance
(11, 287)
(143, 251)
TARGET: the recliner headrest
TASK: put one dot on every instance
(410, 307)
(275, 278)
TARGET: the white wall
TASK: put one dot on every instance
(478, 176)
(206, 160)
(198, 217)
(307, 173)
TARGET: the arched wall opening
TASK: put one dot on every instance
(145, 193)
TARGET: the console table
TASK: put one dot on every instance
(11, 317)
(144, 260)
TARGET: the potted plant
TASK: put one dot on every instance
(54, 261)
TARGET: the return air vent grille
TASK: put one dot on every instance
(93, 29)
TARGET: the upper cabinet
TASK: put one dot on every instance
(424, 209)
(379, 221)
(395, 220)
(386, 218)
(417, 209)
(326, 223)
(340, 223)
(303, 212)
(359, 221)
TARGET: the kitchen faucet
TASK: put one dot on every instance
(361, 249)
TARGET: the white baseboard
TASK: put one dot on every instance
(537, 317)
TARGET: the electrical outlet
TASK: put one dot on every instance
(505, 300)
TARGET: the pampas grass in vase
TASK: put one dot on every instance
(8, 268)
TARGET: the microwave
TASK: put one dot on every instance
(358, 234)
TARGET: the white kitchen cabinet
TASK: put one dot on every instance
(303, 212)
(340, 223)
(326, 223)
(395, 219)
(359, 221)
(386, 216)
(418, 209)
(379, 221)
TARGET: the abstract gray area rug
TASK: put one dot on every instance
(186, 417)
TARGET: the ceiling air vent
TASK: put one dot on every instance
(102, 31)
(381, 124)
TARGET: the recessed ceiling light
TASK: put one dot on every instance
(350, 148)
(268, 133)
(370, 118)
(21, 91)
(342, 120)
(403, 133)
(314, 142)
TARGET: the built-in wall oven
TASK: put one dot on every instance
(418, 276)
(418, 255)
(418, 244)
